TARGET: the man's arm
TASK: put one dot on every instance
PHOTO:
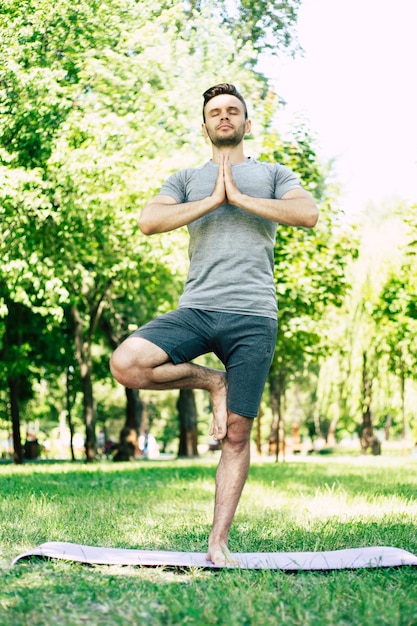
(163, 213)
(295, 208)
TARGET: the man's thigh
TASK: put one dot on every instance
(247, 351)
(139, 352)
(182, 334)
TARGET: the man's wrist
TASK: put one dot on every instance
(241, 200)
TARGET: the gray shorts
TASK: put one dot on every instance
(244, 344)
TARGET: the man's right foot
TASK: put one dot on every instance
(218, 397)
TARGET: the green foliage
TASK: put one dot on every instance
(266, 24)
(310, 265)
(97, 105)
(90, 110)
(395, 311)
(374, 321)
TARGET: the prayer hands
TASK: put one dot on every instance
(225, 189)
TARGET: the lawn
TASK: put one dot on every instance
(322, 504)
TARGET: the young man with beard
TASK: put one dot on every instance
(231, 206)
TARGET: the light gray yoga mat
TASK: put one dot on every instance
(352, 558)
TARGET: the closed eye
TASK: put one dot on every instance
(230, 110)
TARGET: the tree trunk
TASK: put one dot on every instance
(187, 412)
(129, 436)
(367, 436)
(277, 435)
(403, 419)
(70, 402)
(10, 341)
(128, 446)
(89, 415)
(388, 425)
(258, 431)
(13, 382)
(296, 423)
(85, 363)
(331, 435)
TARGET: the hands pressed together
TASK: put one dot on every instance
(225, 189)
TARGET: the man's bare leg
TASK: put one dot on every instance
(231, 476)
(140, 364)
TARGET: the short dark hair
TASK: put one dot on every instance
(220, 89)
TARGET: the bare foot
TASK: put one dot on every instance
(218, 396)
(221, 555)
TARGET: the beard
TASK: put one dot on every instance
(230, 140)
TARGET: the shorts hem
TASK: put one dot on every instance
(243, 414)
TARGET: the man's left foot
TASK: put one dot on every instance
(221, 555)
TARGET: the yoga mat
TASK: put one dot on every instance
(352, 558)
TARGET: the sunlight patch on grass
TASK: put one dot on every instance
(346, 507)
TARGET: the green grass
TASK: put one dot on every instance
(325, 504)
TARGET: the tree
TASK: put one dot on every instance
(187, 412)
(396, 316)
(90, 110)
(310, 272)
(30, 349)
(90, 118)
(358, 388)
(266, 24)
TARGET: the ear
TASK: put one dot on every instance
(204, 130)
(248, 127)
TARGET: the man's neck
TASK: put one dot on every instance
(235, 153)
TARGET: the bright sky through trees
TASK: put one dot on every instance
(356, 88)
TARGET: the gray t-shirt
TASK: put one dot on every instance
(231, 251)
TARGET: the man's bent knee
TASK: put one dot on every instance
(122, 364)
(132, 362)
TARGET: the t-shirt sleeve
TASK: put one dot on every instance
(285, 180)
(175, 186)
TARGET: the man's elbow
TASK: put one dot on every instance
(311, 216)
(145, 226)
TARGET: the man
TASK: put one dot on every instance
(231, 206)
